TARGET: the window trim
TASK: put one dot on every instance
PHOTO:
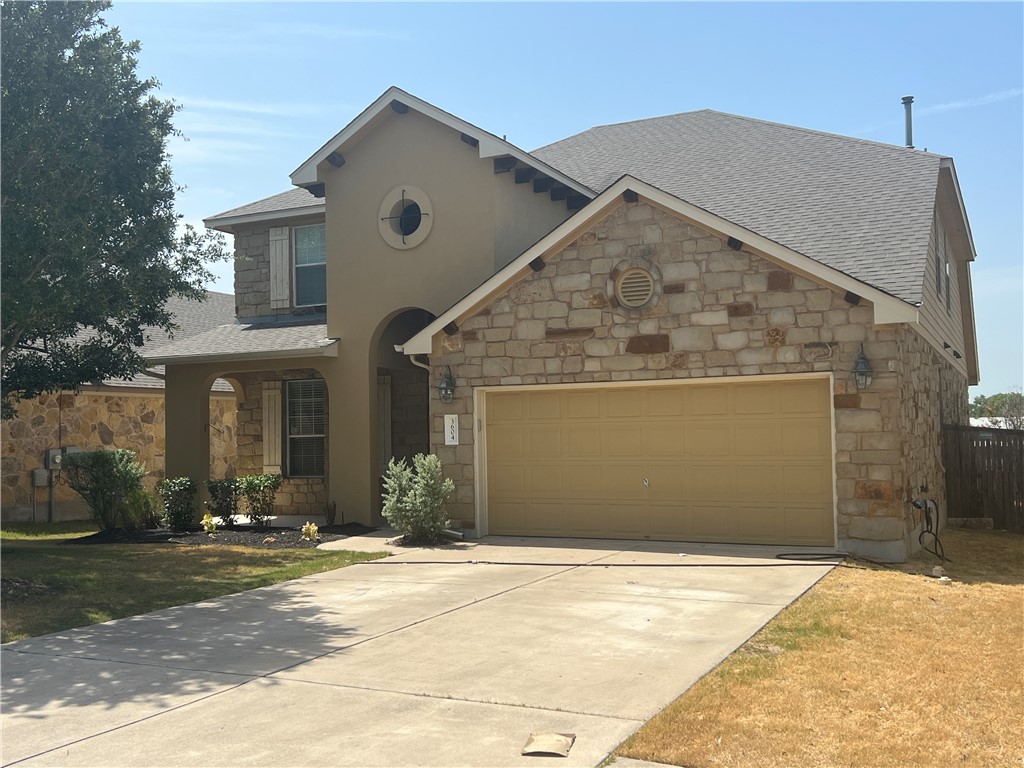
(296, 266)
(287, 427)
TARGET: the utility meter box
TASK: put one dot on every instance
(72, 449)
(40, 478)
(54, 458)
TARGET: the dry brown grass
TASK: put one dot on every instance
(873, 667)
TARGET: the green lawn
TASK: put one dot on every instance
(49, 585)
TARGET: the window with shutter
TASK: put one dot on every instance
(306, 428)
(310, 266)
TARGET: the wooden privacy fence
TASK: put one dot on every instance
(985, 474)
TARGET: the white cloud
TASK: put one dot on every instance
(270, 108)
(978, 101)
(949, 106)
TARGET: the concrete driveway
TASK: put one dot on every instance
(438, 657)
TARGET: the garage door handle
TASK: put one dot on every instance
(647, 483)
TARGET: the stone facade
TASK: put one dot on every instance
(717, 312)
(96, 420)
(252, 276)
(298, 495)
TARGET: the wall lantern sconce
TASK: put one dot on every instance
(446, 388)
(862, 370)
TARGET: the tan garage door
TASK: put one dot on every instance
(746, 462)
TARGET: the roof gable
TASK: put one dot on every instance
(861, 207)
(395, 99)
(887, 308)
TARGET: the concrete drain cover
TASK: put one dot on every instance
(557, 744)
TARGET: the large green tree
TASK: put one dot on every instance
(91, 243)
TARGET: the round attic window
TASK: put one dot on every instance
(634, 288)
(405, 217)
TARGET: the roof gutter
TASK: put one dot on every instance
(329, 349)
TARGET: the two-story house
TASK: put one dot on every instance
(699, 327)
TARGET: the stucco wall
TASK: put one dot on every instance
(718, 313)
(298, 495)
(95, 421)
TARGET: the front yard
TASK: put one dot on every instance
(873, 667)
(49, 585)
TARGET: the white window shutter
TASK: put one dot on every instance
(272, 427)
(280, 269)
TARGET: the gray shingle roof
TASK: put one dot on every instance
(244, 341)
(861, 207)
(192, 318)
(292, 199)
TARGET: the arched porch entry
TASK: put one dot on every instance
(279, 424)
(402, 394)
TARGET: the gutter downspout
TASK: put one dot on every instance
(412, 358)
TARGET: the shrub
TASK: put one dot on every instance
(178, 494)
(311, 532)
(106, 481)
(209, 526)
(143, 508)
(415, 497)
(223, 500)
(331, 512)
(259, 491)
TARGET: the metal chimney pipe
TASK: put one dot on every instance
(907, 104)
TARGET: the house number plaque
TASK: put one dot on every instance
(451, 429)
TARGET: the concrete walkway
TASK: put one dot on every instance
(436, 657)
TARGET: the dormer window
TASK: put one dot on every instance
(310, 249)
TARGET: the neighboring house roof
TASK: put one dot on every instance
(293, 202)
(192, 318)
(253, 341)
(859, 206)
(887, 309)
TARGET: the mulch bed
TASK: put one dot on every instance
(240, 536)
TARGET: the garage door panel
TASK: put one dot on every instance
(583, 441)
(504, 407)
(543, 405)
(805, 437)
(667, 481)
(755, 399)
(623, 481)
(543, 518)
(507, 479)
(583, 404)
(756, 438)
(808, 397)
(808, 482)
(664, 401)
(664, 440)
(708, 481)
(671, 522)
(713, 523)
(757, 481)
(545, 441)
(703, 401)
(746, 462)
(622, 404)
(546, 479)
(708, 439)
(622, 441)
(808, 525)
(507, 516)
(505, 442)
(582, 479)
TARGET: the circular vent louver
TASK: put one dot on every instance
(634, 288)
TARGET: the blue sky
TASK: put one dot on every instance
(263, 85)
